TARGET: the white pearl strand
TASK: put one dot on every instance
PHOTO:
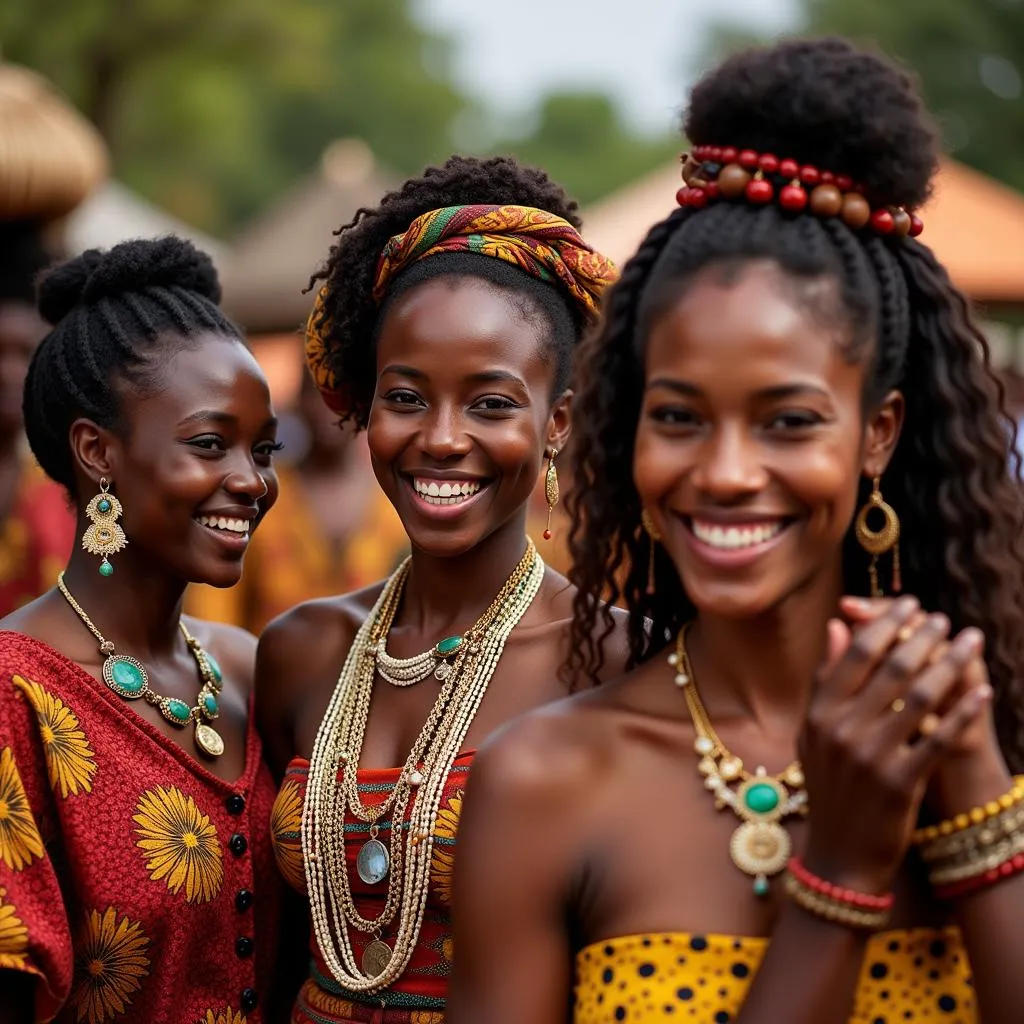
(339, 743)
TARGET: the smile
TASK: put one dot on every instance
(738, 537)
(445, 492)
(239, 527)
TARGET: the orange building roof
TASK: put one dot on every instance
(974, 224)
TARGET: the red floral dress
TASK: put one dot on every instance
(134, 884)
(418, 997)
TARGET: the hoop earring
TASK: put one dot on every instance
(551, 488)
(104, 535)
(878, 542)
(654, 536)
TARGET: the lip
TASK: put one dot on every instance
(443, 513)
(733, 558)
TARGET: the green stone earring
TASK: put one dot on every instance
(104, 535)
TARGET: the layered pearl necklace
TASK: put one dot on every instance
(405, 862)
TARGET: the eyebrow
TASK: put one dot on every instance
(778, 392)
(485, 377)
(215, 416)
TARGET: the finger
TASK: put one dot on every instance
(864, 609)
(907, 659)
(920, 760)
(937, 686)
(837, 641)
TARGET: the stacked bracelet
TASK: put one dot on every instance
(835, 903)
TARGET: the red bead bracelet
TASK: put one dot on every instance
(1009, 868)
(849, 897)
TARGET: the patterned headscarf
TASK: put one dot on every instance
(537, 242)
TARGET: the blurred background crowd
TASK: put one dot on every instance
(257, 127)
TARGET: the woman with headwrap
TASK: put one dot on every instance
(445, 326)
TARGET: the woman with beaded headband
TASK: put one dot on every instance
(798, 804)
(445, 326)
(136, 875)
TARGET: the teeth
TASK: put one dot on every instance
(446, 492)
(732, 538)
(220, 523)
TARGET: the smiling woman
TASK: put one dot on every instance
(145, 405)
(445, 326)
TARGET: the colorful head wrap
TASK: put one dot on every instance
(542, 245)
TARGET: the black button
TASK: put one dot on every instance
(250, 997)
(238, 844)
(243, 946)
(235, 803)
(243, 900)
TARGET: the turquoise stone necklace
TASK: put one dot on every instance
(760, 846)
(409, 671)
(128, 678)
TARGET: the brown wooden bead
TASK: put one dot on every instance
(856, 211)
(826, 201)
(732, 181)
(901, 222)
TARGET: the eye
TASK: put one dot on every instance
(403, 396)
(794, 420)
(674, 416)
(495, 403)
(208, 443)
(267, 449)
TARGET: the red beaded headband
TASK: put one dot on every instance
(723, 172)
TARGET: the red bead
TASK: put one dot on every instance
(768, 163)
(760, 191)
(1006, 869)
(683, 196)
(793, 198)
(715, 153)
(810, 175)
(729, 154)
(827, 178)
(711, 190)
(789, 168)
(547, 535)
(916, 225)
(844, 182)
(698, 200)
(882, 222)
(1018, 861)
(748, 158)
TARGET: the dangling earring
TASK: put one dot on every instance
(104, 536)
(551, 488)
(877, 543)
(652, 533)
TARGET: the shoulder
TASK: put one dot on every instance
(233, 647)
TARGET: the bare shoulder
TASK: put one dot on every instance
(233, 647)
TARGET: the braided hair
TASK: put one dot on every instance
(953, 477)
(116, 317)
(351, 318)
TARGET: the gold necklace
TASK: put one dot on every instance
(405, 862)
(760, 846)
(128, 678)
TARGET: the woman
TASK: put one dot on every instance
(447, 331)
(136, 876)
(779, 354)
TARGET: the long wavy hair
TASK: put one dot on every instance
(954, 478)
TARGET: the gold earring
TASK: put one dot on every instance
(104, 535)
(878, 542)
(551, 488)
(652, 533)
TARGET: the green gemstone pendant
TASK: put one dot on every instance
(106, 569)
(448, 646)
(218, 676)
(103, 505)
(761, 797)
(209, 705)
(177, 712)
(125, 676)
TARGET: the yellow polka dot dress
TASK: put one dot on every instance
(908, 977)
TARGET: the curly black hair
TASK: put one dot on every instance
(953, 478)
(350, 316)
(115, 315)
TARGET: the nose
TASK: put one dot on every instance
(729, 466)
(246, 480)
(443, 435)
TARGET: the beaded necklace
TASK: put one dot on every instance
(405, 862)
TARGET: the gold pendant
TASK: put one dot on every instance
(208, 740)
(376, 958)
(761, 849)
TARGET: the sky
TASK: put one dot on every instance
(510, 52)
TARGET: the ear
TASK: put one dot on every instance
(560, 422)
(96, 451)
(882, 432)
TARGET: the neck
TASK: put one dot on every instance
(445, 596)
(137, 609)
(762, 668)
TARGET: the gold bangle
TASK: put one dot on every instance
(833, 910)
(975, 816)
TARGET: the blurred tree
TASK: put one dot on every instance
(212, 108)
(582, 141)
(969, 55)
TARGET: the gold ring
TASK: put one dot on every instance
(904, 633)
(929, 724)
(898, 705)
